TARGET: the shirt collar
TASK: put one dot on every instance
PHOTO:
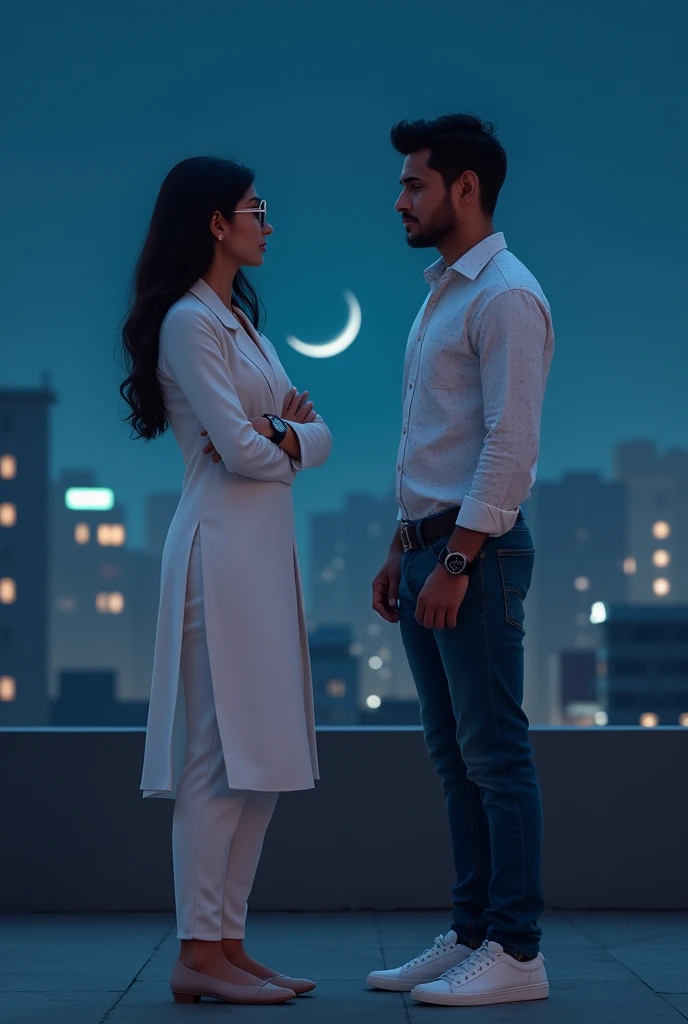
(472, 262)
(214, 303)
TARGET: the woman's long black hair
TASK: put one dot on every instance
(178, 250)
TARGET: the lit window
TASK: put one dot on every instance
(601, 718)
(661, 558)
(661, 530)
(630, 566)
(8, 514)
(8, 688)
(661, 587)
(82, 533)
(649, 720)
(110, 603)
(373, 701)
(581, 583)
(336, 688)
(111, 535)
(375, 662)
(683, 719)
(598, 613)
(94, 498)
(115, 602)
(8, 467)
(8, 590)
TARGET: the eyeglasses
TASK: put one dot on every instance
(260, 211)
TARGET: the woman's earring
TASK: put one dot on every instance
(220, 238)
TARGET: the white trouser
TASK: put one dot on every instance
(217, 832)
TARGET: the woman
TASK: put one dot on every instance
(231, 614)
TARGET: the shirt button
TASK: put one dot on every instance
(411, 384)
(398, 467)
(404, 430)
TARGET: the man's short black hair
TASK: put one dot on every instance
(457, 143)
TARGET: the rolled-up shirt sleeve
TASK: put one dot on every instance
(190, 355)
(510, 341)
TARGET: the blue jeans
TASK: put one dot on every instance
(470, 686)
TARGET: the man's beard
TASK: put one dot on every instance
(441, 224)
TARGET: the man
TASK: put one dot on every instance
(460, 563)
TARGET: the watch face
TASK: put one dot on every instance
(455, 562)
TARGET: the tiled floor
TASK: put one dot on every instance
(604, 968)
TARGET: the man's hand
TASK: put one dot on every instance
(386, 588)
(440, 599)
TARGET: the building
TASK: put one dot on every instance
(644, 665)
(348, 548)
(87, 698)
(657, 486)
(579, 528)
(334, 667)
(24, 553)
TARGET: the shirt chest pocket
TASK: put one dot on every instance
(446, 363)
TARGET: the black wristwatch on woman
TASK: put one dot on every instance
(279, 428)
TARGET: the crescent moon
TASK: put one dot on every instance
(332, 348)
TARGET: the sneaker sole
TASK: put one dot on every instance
(514, 995)
(392, 984)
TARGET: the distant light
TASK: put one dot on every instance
(111, 535)
(8, 514)
(373, 629)
(115, 602)
(65, 603)
(373, 701)
(375, 662)
(8, 688)
(649, 720)
(661, 587)
(328, 575)
(661, 530)
(581, 583)
(335, 688)
(601, 718)
(661, 558)
(385, 653)
(8, 590)
(82, 533)
(630, 566)
(98, 499)
(598, 613)
(355, 650)
(683, 719)
(8, 467)
(385, 673)
(338, 562)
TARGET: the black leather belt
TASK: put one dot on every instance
(431, 528)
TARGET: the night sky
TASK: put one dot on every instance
(589, 101)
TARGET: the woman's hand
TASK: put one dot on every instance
(296, 408)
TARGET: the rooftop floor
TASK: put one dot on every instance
(604, 968)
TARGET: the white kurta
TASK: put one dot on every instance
(216, 372)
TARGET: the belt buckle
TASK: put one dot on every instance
(405, 539)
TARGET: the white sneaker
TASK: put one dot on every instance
(444, 954)
(488, 975)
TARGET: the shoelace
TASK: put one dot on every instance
(469, 967)
(436, 948)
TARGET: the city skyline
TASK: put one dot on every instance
(92, 148)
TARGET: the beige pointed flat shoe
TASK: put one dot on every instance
(188, 986)
(297, 985)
